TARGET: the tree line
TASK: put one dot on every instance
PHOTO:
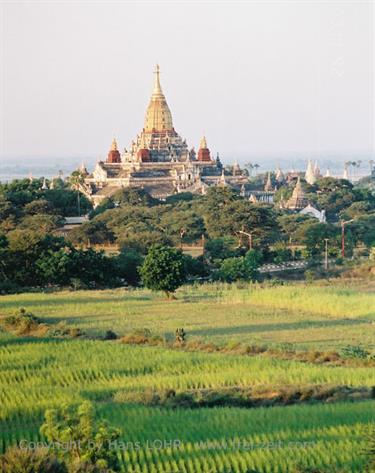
(33, 252)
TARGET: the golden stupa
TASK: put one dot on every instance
(158, 116)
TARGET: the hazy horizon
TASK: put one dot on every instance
(21, 168)
(259, 80)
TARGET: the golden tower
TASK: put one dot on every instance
(158, 116)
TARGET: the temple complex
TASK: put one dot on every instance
(158, 160)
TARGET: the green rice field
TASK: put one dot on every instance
(38, 373)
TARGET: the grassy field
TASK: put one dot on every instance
(37, 373)
(306, 316)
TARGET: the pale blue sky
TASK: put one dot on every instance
(256, 78)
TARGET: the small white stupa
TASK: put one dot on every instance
(310, 174)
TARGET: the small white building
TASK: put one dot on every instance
(313, 212)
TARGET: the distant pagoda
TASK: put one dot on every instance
(298, 201)
(268, 187)
(310, 175)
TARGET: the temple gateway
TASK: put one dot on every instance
(158, 160)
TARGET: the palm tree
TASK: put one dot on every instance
(250, 168)
(76, 179)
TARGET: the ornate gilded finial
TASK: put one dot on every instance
(157, 86)
(203, 143)
(114, 144)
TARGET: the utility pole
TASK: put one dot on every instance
(326, 254)
(342, 239)
(182, 233)
(79, 203)
(250, 237)
(343, 236)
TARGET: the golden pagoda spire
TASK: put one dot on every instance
(158, 116)
(203, 143)
(157, 86)
(114, 144)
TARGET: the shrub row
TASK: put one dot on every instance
(245, 397)
(25, 323)
(350, 356)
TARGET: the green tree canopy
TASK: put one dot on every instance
(127, 266)
(21, 192)
(243, 268)
(225, 214)
(39, 206)
(313, 235)
(92, 232)
(133, 196)
(43, 223)
(290, 225)
(163, 269)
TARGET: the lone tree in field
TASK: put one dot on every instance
(163, 269)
